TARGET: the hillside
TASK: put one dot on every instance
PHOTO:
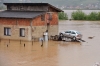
(65, 4)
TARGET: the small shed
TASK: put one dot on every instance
(28, 21)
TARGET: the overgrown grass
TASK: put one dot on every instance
(63, 16)
(79, 15)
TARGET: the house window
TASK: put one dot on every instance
(22, 32)
(42, 17)
(50, 16)
(7, 31)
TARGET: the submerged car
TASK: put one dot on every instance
(73, 34)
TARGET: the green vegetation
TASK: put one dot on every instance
(92, 16)
(79, 15)
(62, 16)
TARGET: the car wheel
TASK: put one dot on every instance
(61, 34)
(74, 38)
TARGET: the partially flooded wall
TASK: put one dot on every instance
(15, 25)
(33, 28)
(39, 27)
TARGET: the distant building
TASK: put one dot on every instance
(28, 21)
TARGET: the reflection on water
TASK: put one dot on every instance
(55, 53)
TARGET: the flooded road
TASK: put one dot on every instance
(55, 53)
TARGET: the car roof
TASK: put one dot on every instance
(73, 30)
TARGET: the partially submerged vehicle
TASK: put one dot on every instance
(72, 34)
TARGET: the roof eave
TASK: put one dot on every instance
(57, 9)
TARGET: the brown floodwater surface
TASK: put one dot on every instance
(55, 53)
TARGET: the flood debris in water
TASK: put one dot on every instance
(91, 37)
(7, 45)
(82, 40)
(24, 44)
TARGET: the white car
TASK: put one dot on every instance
(73, 34)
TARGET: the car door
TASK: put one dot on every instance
(73, 34)
(68, 33)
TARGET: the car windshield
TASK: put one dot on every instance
(73, 32)
(67, 31)
(78, 32)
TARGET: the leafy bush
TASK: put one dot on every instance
(98, 15)
(78, 15)
(63, 16)
(93, 16)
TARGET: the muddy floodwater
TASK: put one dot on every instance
(55, 53)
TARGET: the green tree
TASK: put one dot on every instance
(98, 15)
(63, 16)
(93, 16)
(78, 15)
